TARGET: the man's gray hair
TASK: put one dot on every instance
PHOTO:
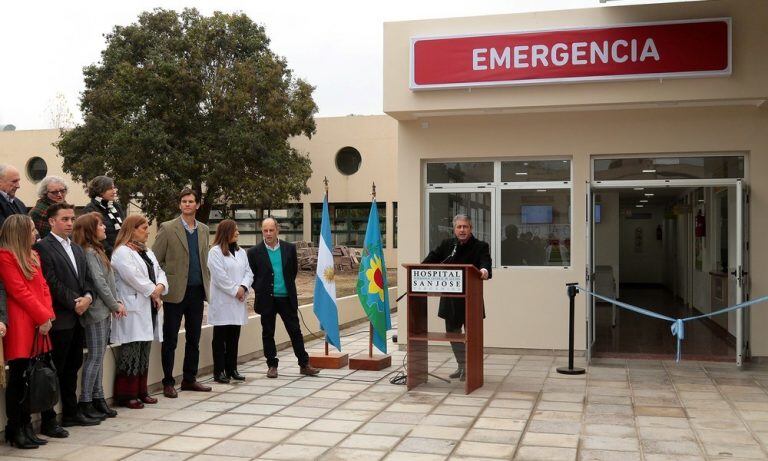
(3, 167)
(461, 217)
(42, 188)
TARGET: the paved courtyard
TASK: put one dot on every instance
(621, 410)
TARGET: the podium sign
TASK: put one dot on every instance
(460, 282)
(437, 280)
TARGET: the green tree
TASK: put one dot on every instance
(181, 99)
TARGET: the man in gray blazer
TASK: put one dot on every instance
(181, 248)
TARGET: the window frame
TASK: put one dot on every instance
(495, 188)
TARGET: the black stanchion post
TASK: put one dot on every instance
(572, 301)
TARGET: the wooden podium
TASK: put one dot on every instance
(444, 280)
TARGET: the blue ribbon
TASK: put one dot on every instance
(678, 325)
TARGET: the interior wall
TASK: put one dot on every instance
(641, 251)
(606, 244)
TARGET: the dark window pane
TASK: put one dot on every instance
(348, 160)
(37, 169)
(443, 206)
(536, 227)
(528, 171)
(459, 172)
(720, 167)
(348, 222)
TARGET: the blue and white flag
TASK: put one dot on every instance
(325, 286)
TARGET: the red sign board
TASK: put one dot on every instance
(695, 48)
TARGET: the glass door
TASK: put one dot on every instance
(588, 273)
(741, 273)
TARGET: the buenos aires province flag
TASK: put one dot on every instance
(372, 286)
(325, 286)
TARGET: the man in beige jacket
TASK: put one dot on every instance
(181, 249)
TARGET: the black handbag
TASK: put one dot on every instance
(41, 384)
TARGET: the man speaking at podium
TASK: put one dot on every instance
(463, 248)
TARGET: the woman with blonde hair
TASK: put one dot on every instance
(140, 283)
(230, 278)
(89, 232)
(29, 309)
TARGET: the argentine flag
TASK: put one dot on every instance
(325, 286)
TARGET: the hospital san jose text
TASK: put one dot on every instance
(437, 280)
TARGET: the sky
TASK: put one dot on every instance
(336, 45)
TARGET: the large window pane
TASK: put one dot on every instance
(459, 172)
(719, 167)
(536, 170)
(443, 206)
(348, 222)
(536, 227)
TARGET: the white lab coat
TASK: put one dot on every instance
(227, 274)
(134, 287)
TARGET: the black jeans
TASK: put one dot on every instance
(191, 308)
(68, 358)
(290, 318)
(454, 326)
(14, 392)
(224, 346)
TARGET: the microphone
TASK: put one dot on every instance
(453, 252)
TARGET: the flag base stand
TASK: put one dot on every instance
(370, 363)
(331, 360)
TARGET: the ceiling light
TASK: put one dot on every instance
(648, 195)
(541, 190)
(649, 171)
(643, 201)
(521, 173)
(639, 188)
(638, 206)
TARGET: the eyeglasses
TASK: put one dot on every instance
(58, 192)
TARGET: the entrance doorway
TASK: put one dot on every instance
(667, 233)
(670, 250)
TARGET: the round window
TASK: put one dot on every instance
(37, 169)
(348, 160)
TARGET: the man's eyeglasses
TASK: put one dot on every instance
(58, 192)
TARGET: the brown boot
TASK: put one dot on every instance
(308, 370)
(272, 372)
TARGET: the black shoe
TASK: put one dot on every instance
(221, 378)
(457, 374)
(29, 431)
(101, 405)
(89, 411)
(53, 430)
(16, 437)
(236, 376)
(79, 419)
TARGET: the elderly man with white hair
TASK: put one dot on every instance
(10, 181)
(51, 189)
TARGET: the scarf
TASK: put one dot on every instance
(112, 213)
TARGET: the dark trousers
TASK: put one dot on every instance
(290, 318)
(14, 392)
(67, 355)
(191, 308)
(224, 346)
(454, 326)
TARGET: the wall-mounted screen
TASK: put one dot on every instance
(536, 214)
(598, 213)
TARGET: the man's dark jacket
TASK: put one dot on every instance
(6, 209)
(475, 252)
(264, 276)
(64, 284)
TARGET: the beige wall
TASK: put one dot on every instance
(747, 82)
(526, 307)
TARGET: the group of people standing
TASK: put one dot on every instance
(70, 282)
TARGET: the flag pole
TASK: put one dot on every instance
(325, 181)
(370, 324)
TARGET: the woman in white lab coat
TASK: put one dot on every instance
(230, 278)
(140, 282)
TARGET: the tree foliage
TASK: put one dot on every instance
(181, 99)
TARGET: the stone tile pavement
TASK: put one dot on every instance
(621, 410)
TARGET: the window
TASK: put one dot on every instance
(649, 168)
(348, 222)
(248, 220)
(536, 227)
(348, 160)
(37, 169)
(525, 216)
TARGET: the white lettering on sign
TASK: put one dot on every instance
(437, 280)
(561, 54)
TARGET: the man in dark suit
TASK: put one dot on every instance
(275, 266)
(66, 271)
(463, 248)
(10, 181)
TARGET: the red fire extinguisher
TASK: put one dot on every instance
(701, 225)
